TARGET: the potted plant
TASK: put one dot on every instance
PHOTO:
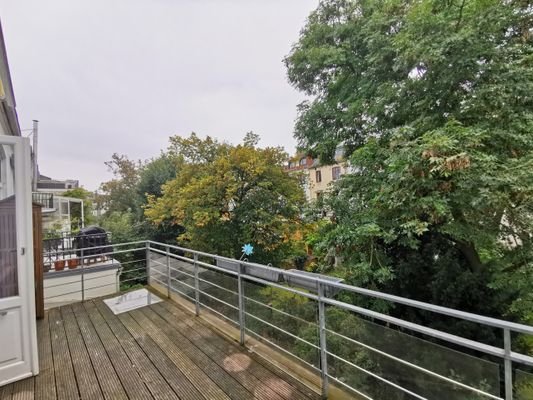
(59, 265)
(73, 263)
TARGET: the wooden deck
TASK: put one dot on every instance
(156, 352)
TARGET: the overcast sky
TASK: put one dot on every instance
(105, 76)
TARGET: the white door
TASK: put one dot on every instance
(18, 336)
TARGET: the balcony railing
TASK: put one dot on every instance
(322, 324)
(44, 199)
(67, 245)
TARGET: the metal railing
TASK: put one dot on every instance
(324, 326)
(64, 245)
(44, 199)
(430, 363)
(94, 271)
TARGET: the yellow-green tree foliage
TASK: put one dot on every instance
(225, 196)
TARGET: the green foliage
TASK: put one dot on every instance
(433, 102)
(225, 196)
(121, 192)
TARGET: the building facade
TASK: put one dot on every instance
(316, 178)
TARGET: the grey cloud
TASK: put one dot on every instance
(121, 76)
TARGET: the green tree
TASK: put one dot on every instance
(121, 192)
(153, 175)
(225, 196)
(433, 102)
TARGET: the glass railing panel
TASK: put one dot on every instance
(387, 352)
(287, 319)
(523, 387)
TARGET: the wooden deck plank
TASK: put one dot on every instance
(239, 371)
(6, 392)
(64, 370)
(153, 380)
(175, 378)
(83, 368)
(107, 377)
(226, 382)
(159, 352)
(24, 389)
(277, 379)
(45, 382)
(127, 372)
(196, 374)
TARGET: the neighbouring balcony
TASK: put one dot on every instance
(300, 335)
(44, 199)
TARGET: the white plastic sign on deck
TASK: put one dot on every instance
(131, 301)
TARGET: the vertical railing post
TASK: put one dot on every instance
(148, 263)
(322, 338)
(196, 286)
(241, 306)
(82, 276)
(168, 272)
(508, 365)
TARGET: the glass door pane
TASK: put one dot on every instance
(8, 226)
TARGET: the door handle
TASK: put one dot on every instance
(22, 251)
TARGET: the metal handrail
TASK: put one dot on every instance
(505, 353)
(160, 270)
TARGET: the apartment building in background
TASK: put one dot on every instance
(314, 176)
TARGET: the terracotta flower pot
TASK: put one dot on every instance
(73, 263)
(59, 265)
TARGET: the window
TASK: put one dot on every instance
(303, 161)
(318, 176)
(336, 173)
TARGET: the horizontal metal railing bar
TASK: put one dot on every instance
(218, 313)
(181, 272)
(282, 330)
(79, 281)
(217, 268)
(494, 322)
(485, 348)
(62, 294)
(100, 286)
(281, 312)
(133, 279)
(521, 358)
(131, 262)
(163, 283)
(277, 346)
(182, 283)
(217, 299)
(349, 387)
(172, 255)
(124, 271)
(103, 254)
(63, 284)
(104, 246)
(379, 378)
(217, 286)
(277, 285)
(404, 362)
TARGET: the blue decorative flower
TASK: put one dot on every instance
(248, 249)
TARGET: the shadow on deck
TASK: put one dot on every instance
(157, 352)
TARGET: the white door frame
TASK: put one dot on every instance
(29, 364)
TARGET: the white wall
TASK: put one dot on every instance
(66, 288)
